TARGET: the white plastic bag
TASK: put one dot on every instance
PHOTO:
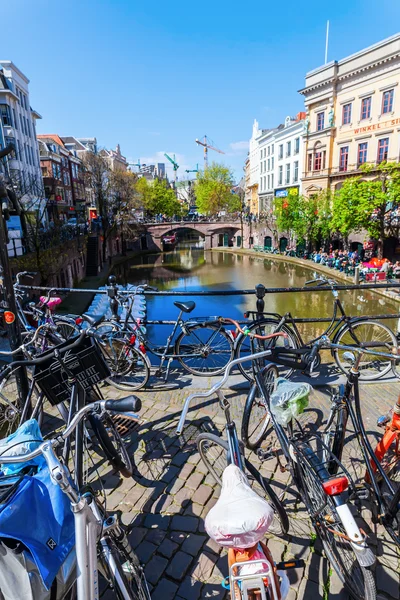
(240, 518)
(288, 400)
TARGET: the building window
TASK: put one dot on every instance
(297, 145)
(272, 163)
(296, 171)
(269, 150)
(309, 162)
(288, 148)
(318, 161)
(15, 119)
(269, 164)
(343, 158)
(272, 180)
(269, 181)
(280, 178)
(320, 121)
(346, 119)
(383, 148)
(387, 102)
(5, 114)
(265, 165)
(265, 182)
(272, 149)
(366, 108)
(280, 153)
(362, 153)
(261, 154)
(287, 178)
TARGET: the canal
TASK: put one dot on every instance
(189, 268)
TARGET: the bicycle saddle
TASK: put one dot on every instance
(93, 320)
(187, 307)
(52, 303)
(240, 517)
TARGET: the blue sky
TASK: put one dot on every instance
(154, 76)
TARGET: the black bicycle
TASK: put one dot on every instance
(309, 461)
(359, 332)
(67, 377)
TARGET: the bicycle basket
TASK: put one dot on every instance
(85, 362)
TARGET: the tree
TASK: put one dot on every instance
(213, 189)
(158, 198)
(97, 178)
(369, 205)
(124, 201)
(306, 219)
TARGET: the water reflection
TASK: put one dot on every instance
(191, 268)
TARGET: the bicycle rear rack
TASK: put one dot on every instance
(256, 586)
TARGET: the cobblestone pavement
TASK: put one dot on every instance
(166, 500)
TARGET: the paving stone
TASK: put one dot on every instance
(175, 487)
(202, 494)
(178, 536)
(205, 566)
(165, 590)
(136, 535)
(157, 521)
(309, 590)
(155, 568)
(194, 480)
(193, 543)
(190, 589)
(171, 474)
(189, 524)
(180, 459)
(186, 470)
(317, 568)
(183, 497)
(167, 548)
(212, 546)
(194, 510)
(179, 565)
(155, 536)
(145, 550)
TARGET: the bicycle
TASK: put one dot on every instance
(230, 451)
(360, 332)
(67, 376)
(203, 347)
(382, 464)
(101, 544)
(309, 461)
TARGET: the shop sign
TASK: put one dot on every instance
(377, 126)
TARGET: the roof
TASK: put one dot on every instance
(70, 140)
(51, 136)
(3, 81)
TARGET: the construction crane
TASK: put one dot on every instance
(135, 164)
(174, 164)
(196, 170)
(206, 145)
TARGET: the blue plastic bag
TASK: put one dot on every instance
(25, 439)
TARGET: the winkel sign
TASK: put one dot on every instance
(377, 126)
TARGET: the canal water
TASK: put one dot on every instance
(189, 268)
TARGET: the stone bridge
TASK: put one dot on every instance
(214, 233)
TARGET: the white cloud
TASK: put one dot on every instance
(239, 146)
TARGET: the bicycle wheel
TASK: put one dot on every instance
(65, 329)
(214, 452)
(129, 367)
(12, 403)
(111, 443)
(391, 464)
(121, 568)
(366, 335)
(358, 580)
(204, 350)
(255, 414)
(246, 345)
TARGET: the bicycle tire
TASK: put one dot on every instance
(65, 329)
(12, 405)
(111, 443)
(134, 586)
(280, 524)
(130, 369)
(255, 411)
(359, 581)
(244, 345)
(198, 339)
(382, 340)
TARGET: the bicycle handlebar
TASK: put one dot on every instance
(249, 333)
(29, 274)
(117, 406)
(218, 385)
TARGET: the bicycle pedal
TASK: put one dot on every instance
(266, 454)
(158, 373)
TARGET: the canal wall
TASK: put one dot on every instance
(312, 266)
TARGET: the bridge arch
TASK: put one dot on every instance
(215, 234)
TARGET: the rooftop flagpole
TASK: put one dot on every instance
(326, 42)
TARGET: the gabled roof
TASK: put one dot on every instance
(71, 141)
(51, 136)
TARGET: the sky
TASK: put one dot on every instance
(154, 76)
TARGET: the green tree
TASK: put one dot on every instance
(369, 205)
(158, 198)
(213, 190)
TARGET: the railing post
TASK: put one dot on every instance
(260, 293)
(357, 274)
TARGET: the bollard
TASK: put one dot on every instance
(357, 274)
(260, 293)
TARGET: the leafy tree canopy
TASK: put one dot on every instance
(213, 190)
